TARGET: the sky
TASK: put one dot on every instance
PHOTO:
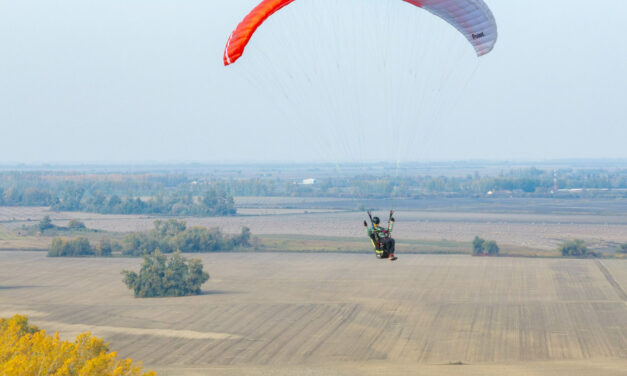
(133, 81)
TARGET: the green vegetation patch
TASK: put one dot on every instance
(81, 247)
(161, 276)
(482, 247)
(172, 235)
(166, 237)
(577, 248)
(46, 227)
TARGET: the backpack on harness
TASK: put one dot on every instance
(379, 246)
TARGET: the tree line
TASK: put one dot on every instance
(181, 194)
(166, 237)
(163, 194)
(80, 247)
(523, 182)
(211, 203)
(172, 235)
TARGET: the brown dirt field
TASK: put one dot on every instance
(531, 231)
(342, 314)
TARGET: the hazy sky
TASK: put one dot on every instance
(142, 80)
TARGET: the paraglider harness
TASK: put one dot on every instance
(379, 241)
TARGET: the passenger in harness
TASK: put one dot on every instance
(381, 238)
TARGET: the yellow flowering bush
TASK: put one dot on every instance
(27, 351)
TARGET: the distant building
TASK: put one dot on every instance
(308, 182)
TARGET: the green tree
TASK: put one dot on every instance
(12, 196)
(172, 235)
(45, 224)
(199, 239)
(71, 200)
(243, 240)
(75, 224)
(575, 248)
(114, 202)
(132, 244)
(623, 248)
(160, 276)
(36, 197)
(104, 248)
(477, 246)
(491, 248)
(171, 227)
(57, 247)
(76, 247)
(482, 247)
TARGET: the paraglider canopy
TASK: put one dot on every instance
(472, 18)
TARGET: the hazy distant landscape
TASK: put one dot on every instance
(324, 214)
(309, 297)
(313, 188)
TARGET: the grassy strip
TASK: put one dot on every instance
(520, 251)
(309, 243)
(297, 243)
(6, 234)
(11, 241)
(26, 243)
(22, 240)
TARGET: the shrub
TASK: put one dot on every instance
(45, 224)
(623, 248)
(75, 247)
(75, 224)
(198, 239)
(491, 248)
(173, 235)
(80, 246)
(243, 240)
(160, 276)
(104, 248)
(477, 246)
(26, 350)
(482, 247)
(576, 248)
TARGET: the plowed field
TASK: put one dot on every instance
(342, 314)
(512, 230)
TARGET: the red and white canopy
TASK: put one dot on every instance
(472, 18)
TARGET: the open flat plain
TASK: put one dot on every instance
(341, 314)
(533, 225)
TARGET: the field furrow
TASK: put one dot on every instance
(309, 310)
